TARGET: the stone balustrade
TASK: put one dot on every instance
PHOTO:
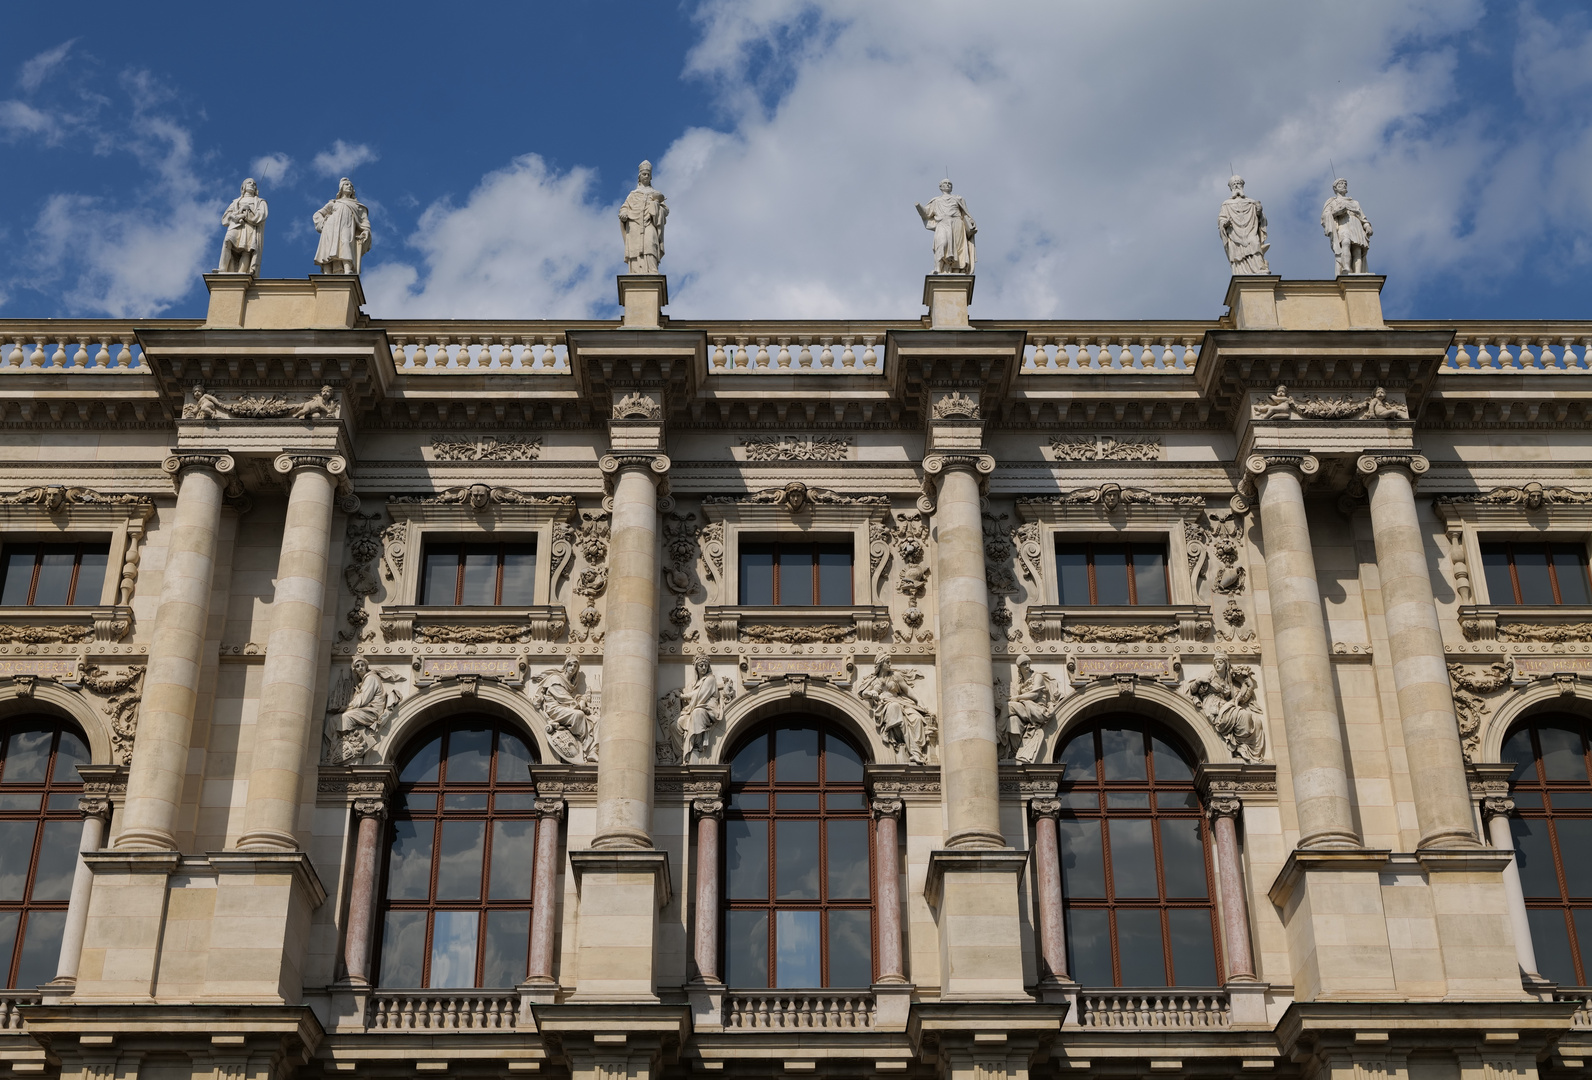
(11, 1002)
(776, 1010)
(442, 1010)
(1154, 1009)
(1503, 346)
(1583, 1015)
(74, 345)
(1077, 348)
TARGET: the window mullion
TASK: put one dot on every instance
(1553, 574)
(38, 562)
(71, 585)
(1514, 573)
(1089, 562)
(1133, 586)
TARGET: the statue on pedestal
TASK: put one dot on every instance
(1346, 226)
(1242, 225)
(641, 218)
(344, 225)
(947, 218)
(245, 222)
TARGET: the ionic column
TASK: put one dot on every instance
(544, 894)
(362, 894)
(1047, 872)
(1495, 811)
(176, 655)
(96, 811)
(709, 814)
(887, 810)
(1309, 705)
(968, 756)
(1420, 669)
(630, 655)
(292, 654)
(1224, 811)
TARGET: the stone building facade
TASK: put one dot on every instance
(929, 697)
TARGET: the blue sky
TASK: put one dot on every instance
(1092, 143)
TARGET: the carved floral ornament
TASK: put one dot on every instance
(121, 693)
(203, 405)
(637, 406)
(1280, 405)
(797, 447)
(1112, 497)
(1107, 448)
(797, 497)
(1531, 496)
(481, 497)
(956, 406)
(54, 498)
(486, 448)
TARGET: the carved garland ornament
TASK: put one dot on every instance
(1282, 406)
(797, 496)
(1107, 448)
(1533, 496)
(637, 406)
(797, 447)
(206, 406)
(956, 405)
(486, 448)
(479, 497)
(1111, 497)
(591, 540)
(1470, 709)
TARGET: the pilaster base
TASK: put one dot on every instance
(244, 302)
(974, 894)
(621, 892)
(1247, 1003)
(892, 1005)
(707, 1004)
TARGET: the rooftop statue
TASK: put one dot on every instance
(947, 217)
(1346, 226)
(344, 225)
(245, 222)
(1242, 225)
(641, 218)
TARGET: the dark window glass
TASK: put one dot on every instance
(1535, 572)
(53, 575)
(1552, 829)
(797, 574)
(479, 575)
(1111, 575)
(1136, 872)
(456, 905)
(798, 866)
(39, 831)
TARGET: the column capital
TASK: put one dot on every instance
(1224, 806)
(1259, 464)
(886, 806)
(1416, 465)
(1045, 807)
(936, 463)
(708, 806)
(179, 462)
(551, 807)
(95, 806)
(370, 806)
(648, 461)
(335, 465)
(1496, 806)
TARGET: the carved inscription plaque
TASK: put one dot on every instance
(814, 667)
(1542, 667)
(1105, 667)
(46, 669)
(487, 667)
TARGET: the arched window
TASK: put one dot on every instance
(1136, 875)
(456, 908)
(798, 866)
(1552, 826)
(39, 831)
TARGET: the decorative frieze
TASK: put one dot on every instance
(1531, 496)
(481, 497)
(203, 405)
(1107, 448)
(1112, 497)
(1283, 406)
(797, 496)
(797, 447)
(486, 448)
(54, 498)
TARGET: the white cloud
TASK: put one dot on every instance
(527, 242)
(343, 158)
(38, 68)
(19, 118)
(272, 168)
(133, 255)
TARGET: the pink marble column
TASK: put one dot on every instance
(362, 896)
(887, 870)
(544, 895)
(709, 812)
(1047, 869)
(1224, 813)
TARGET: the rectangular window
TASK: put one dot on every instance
(798, 574)
(1535, 572)
(479, 575)
(1111, 575)
(54, 575)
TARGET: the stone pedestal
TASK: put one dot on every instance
(974, 894)
(948, 296)
(1475, 925)
(642, 298)
(1331, 904)
(1266, 302)
(321, 301)
(126, 915)
(621, 892)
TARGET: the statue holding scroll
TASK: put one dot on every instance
(1346, 226)
(344, 225)
(245, 222)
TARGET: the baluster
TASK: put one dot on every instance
(717, 361)
(15, 357)
(762, 1013)
(870, 360)
(1523, 355)
(58, 358)
(1146, 358)
(102, 358)
(406, 1016)
(848, 359)
(826, 359)
(1191, 353)
(1462, 358)
(784, 354)
(1168, 356)
(762, 354)
(1040, 357)
(80, 358)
